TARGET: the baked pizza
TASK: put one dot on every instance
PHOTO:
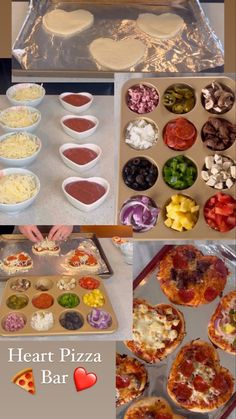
(157, 330)
(189, 278)
(151, 408)
(131, 379)
(46, 247)
(197, 381)
(18, 262)
(222, 326)
(81, 260)
(25, 380)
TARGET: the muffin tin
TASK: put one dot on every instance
(56, 309)
(159, 153)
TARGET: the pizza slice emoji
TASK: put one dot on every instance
(25, 380)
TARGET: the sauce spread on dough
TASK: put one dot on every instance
(84, 191)
(76, 99)
(81, 155)
(79, 124)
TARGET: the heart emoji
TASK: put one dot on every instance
(84, 379)
(62, 23)
(117, 55)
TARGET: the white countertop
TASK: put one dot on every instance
(51, 206)
(119, 289)
(214, 12)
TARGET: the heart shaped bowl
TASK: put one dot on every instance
(13, 94)
(16, 122)
(20, 206)
(80, 205)
(73, 108)
(80, 167)
(76, 134)
(24, 161)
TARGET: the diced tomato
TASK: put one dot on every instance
(224, 209)
(220, 212)
(199, 384)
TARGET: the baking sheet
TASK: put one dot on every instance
(51, 206)
(56, 308)
(197, 48)
(196, 327)
(159, 153)
(51, 265)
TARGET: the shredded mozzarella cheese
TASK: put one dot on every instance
(19, 118)
(18, 146)
(27, 93)
(17, 188)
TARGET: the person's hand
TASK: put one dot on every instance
(32, 233)
(60, 232)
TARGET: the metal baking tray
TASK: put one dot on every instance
(56, 309)
(52, 265)
(159, 153)
(196, 49)
(147, 287)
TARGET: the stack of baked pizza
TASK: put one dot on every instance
(196, 380)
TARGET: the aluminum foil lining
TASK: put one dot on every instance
(51, 265)
(196, 327)
(195, 49)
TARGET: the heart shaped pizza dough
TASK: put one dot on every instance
(61, 22)
(163, 26)
(117, 55)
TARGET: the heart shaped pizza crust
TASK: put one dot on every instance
(63, 23)
(117, 55)
(164, 26)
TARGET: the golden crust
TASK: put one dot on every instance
(218, 340)
(152, 357)
(20, 374)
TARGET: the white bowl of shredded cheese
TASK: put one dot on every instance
(25, 94)
(18, 189)
(19, 149)
(20, 118)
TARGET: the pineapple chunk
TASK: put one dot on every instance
(168, 222)
(195, 208)
(176, 199)
(177, 225)
(228, 328)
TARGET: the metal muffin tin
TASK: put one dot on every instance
(56, 308)
(159, 153)
(146, 286)
(51, 265)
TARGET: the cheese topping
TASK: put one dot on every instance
(17, 188)
(153, 329)
(19, 117)
(18, 146)
(45, 244)
(27, 93)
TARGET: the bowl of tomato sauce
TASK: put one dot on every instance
(76, 102)
(80, 157)
(79, 127)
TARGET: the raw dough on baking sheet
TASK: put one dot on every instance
(63, 23)
(164, 26)
(117, 55)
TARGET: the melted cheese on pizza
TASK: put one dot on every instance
(153, 329)
(46, 244)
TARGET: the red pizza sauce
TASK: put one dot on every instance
(76, 99)
(81, 155)
(84, 191)
(79, 124)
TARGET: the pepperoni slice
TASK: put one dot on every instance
(31, 391)
(22, 257)
(22, 382)
(220, 383)
(28, 376)
(122, 382)
(221, 268)
(179, 262)
(202, 354)
(185, 131)
(186, 295)
(182, 392)
(186, 368)
(30, 384)
(199, 384)
(11, 258)
(210, 294)
(164, 416)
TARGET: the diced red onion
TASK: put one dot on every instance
(99, 318)
(142, 99)
(13, 322)
(139, 211)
